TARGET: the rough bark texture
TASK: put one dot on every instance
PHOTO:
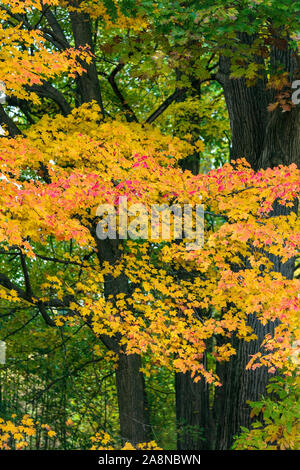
(282, 139)
(88, 82)
(192, 413)
(265, 140)
(239, 385)
(133, 410)
(247, 109)
(132, 399)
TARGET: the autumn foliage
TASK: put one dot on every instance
(161, 313)
(179, 305)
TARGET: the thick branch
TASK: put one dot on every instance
(48, 91)
(27, 296)
(8, 284)
(57, 31)
(29, 292)
(46, 317)
(130, 116)
(13, 130)
(177, 93)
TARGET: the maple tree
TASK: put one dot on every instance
(222, 318)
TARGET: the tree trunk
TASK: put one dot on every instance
(239, 385)
(88, 82)
(133, 410)
(130, 383)
(192, 399)
(265, 140)
(192, 413)
(248, 115)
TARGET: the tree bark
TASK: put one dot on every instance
(192, 413)
(132, 399)
(87, 82)
(265, 139)
(133, 409)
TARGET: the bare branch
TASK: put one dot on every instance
(177, 93)
(20, 328)
(129, 113)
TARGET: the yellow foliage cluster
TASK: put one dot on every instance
(168, 315)
(20, 67)
(103, 441)
(17, 436)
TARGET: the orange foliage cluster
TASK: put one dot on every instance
(54, 178)
(169, 315)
